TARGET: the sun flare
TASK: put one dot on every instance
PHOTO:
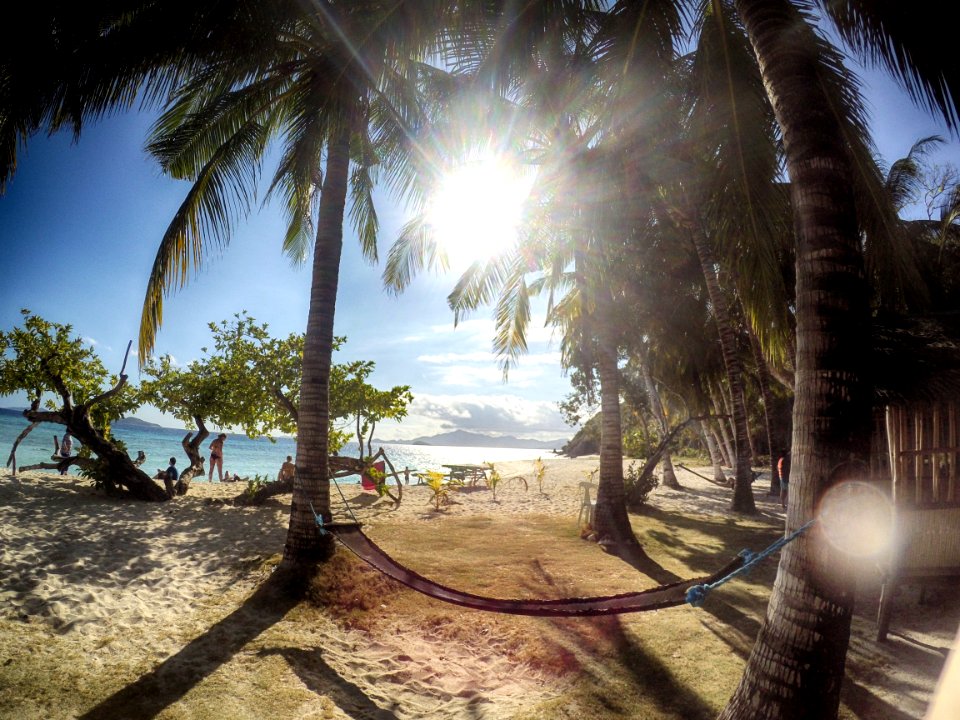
(477, 208)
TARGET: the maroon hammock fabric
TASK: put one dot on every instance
(653, 599)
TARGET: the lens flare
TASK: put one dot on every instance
(477, 208)
(857, 519)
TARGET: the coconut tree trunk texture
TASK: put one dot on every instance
(743, 475)
(610, 516)
(763, 380)
(796, 667)
(750, 437)
(721, 434)
(718, 475)
(305, 546)
(669, 475)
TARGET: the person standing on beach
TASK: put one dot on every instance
(783, 468)
(216, 457)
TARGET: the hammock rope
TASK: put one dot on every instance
(664, 596)
(698, 593)
(693, 591)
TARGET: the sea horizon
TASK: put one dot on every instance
(245, 456)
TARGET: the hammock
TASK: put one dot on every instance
(664, 596)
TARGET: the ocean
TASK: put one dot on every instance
(243, 455)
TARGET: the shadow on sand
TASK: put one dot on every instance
(172, 679)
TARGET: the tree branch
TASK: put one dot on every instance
(12, 460)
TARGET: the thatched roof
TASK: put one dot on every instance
(916, 359)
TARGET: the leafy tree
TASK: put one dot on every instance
(353, 396)
(263, 373)
(57, 371)
(196, 394)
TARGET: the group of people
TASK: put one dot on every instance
(171, 475)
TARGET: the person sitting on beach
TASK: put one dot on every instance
(216, 457)
(287, 470)
(66, 447)
(227, 477)
(169, 477)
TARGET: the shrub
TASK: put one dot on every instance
(638, 486)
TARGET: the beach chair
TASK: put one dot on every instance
(587, 504)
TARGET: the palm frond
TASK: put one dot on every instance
(908, 40)
(221, 192)
(416, 248)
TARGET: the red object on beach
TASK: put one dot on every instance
(367, 482)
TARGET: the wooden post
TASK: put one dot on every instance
(935, 456)
(918, 444)
(893, 448)
(952, 443)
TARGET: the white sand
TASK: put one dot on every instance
(118, 579)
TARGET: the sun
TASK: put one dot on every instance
(476, 209)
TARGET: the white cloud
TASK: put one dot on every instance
(488, 414)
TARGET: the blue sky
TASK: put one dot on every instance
(80, 224)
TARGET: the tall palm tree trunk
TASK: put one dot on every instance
(610, 516)
(796, 667)
(763, 379)
(723, 438)
(305, 546)
(713, 451)
(743, 478)
(669, 474)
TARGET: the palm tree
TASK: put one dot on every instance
(796, 666)
(333, 81)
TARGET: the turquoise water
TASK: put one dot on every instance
(241, 454)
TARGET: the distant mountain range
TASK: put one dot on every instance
(464, 438)
(131, 422)
(460, 438)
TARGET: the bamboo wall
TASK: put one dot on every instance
(928, 540)
(924, 454)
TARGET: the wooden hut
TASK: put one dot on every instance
(917, 390)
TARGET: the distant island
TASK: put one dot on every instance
(463, 438)
(133, 422)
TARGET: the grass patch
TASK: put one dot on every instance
(680, 663)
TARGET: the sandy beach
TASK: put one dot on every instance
(119, 599)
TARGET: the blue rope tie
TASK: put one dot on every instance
(318, 519)
(698, 593)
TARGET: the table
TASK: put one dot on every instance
(467, 473)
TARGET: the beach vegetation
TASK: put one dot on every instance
(436, 481)
(353, 397)
(493, 479)
(256, 485)
(67, 384)
(539, 473)
(639, 483)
